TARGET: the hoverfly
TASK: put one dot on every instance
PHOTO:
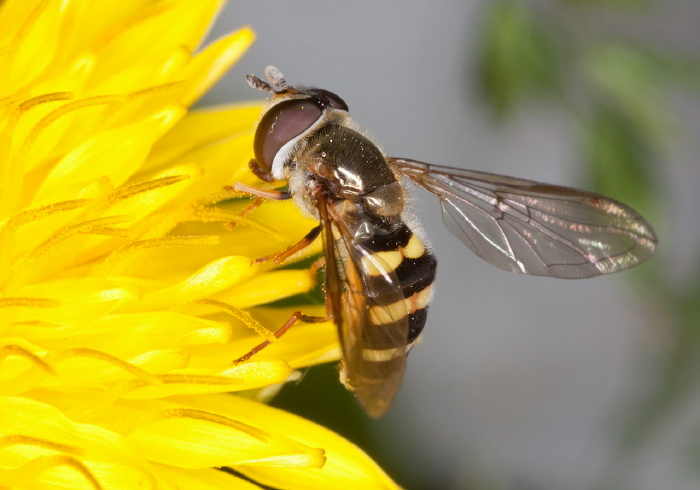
(379, 269)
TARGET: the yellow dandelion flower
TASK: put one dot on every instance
(123, 299)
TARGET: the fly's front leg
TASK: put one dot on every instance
(263, 175)
(259, 172)
(254, 191)
(278, 196)
(261, 194)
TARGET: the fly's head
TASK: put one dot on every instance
(293, 114)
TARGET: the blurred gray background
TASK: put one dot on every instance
(520, 382)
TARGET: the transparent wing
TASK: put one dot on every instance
(367, 304)
(533, 228)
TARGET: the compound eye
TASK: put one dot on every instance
(335, 100)
(280, 125)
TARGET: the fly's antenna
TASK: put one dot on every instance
(259, 84)
(275, 77)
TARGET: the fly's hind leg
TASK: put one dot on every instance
(279, 257)
(296, 317)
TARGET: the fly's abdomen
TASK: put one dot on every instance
(403, 253)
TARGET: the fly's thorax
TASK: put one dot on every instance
(343, 155)
(350, 169)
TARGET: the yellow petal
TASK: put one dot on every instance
(248, 376)
(160, 69)
(95, 18)
(135, 40)
(39, 431)
(211, 64)
(77, 299)
(193, 438)
(13, 15)
(23, 366)
(33, 47)
(201, 127)
(222, 161)
(125, 335)
(91, 367)
(115, 154)
(346, 465)
(216, 276)
(61, 129)
(269, 287)
(205, 479)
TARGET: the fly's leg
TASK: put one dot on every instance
(279, 257)
(252, 206)
(259, 172)
(245, 211)
(318, 263)
(254, 191)
(263, 175)
(260, 193)
(296, 317)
